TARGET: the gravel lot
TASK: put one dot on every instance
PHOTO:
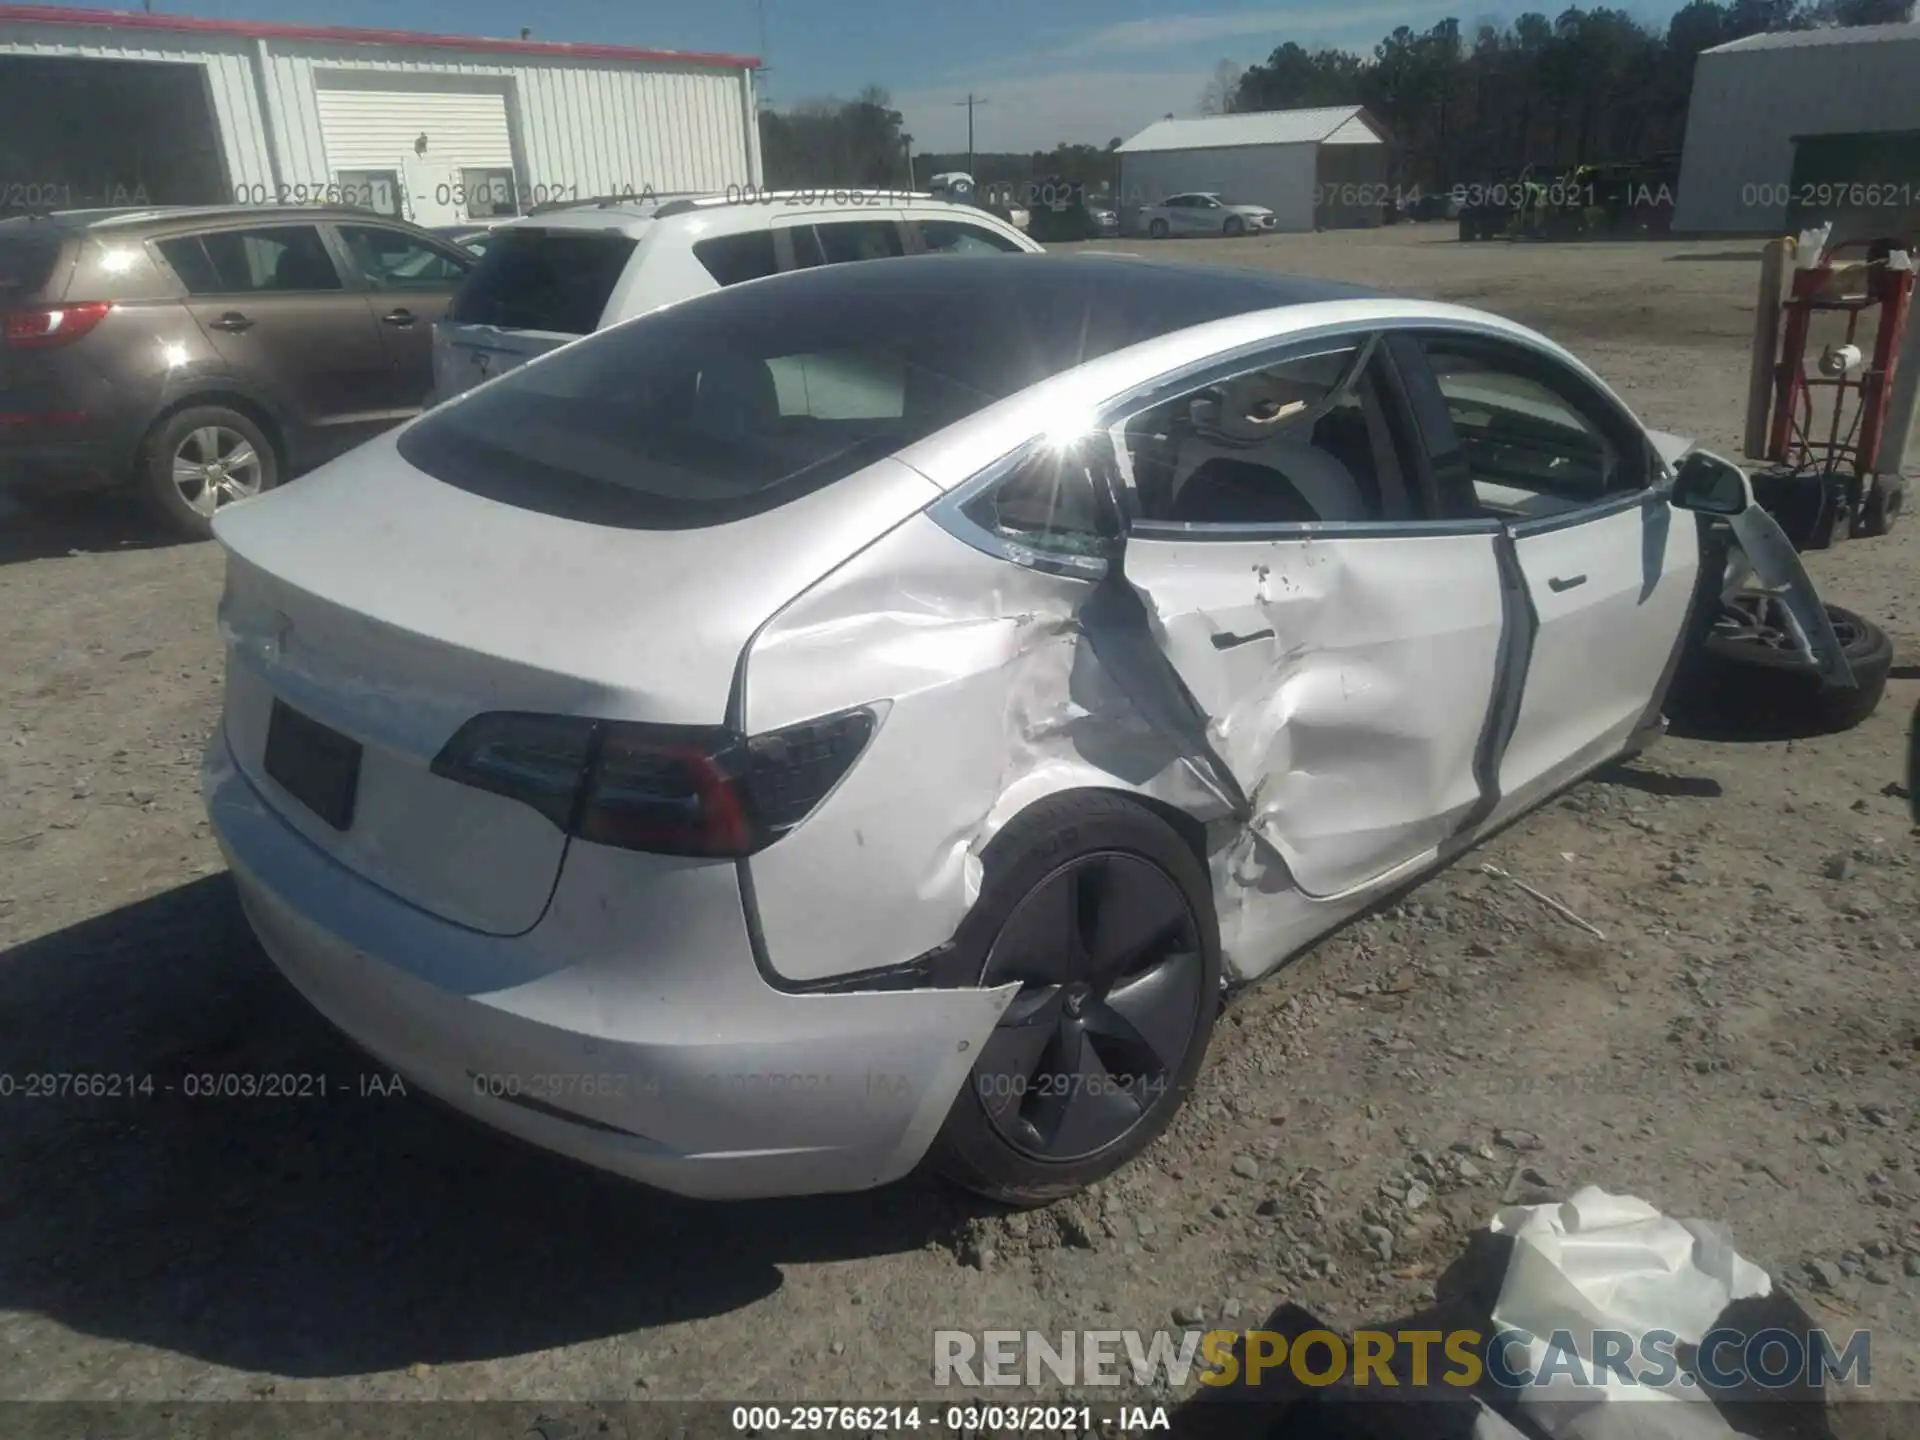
(1742, 1045)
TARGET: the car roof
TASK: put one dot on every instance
(1151, 297)
(135, 217)
(634, 214)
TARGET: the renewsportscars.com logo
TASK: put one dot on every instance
(1772, 1359)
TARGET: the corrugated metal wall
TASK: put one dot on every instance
(229, 79)
(1747, 106)
(589, 128)
(1280, 177)
(583, 127)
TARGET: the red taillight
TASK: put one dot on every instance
(45, 326)
(665, 789)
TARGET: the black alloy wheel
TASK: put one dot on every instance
(1113, 989)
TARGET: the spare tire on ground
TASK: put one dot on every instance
(1745, 676)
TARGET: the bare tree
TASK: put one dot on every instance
(1217, 98)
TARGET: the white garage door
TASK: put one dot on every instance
(376, 133)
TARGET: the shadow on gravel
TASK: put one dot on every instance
(1654, 782)
(89, 524)
(1278, 1406)
(337, 1235)
(1750, 257)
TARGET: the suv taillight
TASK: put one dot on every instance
(665, 789)
(45, 326)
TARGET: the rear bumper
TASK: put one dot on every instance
(669, 1060)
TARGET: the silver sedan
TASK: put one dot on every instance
(1203, 213)
(870, 714)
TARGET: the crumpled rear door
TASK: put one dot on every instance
(1347, 674)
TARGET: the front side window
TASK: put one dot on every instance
(278, 258)
(390, 260)
(1534, 437)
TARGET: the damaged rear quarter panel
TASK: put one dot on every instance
(996, 700)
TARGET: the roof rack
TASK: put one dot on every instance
(748, 195)
(645, 199)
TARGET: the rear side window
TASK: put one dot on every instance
(238, 262)
(729, 259)
(553, 280)
(846, 240)
(26, 263)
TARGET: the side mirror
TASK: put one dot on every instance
(1711, 485)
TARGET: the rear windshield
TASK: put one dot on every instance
(741, 400)
(26, 262)
(554, 280)
(744, 399)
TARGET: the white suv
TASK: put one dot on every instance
(550, 278)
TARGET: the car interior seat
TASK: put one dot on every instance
(735, 398)
(301, 269)
(1226, 492)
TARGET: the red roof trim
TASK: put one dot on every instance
(261, 30)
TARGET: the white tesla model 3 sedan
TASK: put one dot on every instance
(872, 712)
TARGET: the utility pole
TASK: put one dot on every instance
(970, 102)
(760, 13)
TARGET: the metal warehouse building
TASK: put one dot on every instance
(100, 108)
(1781, 126)
(1315, 169)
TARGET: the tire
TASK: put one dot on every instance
(1108, 872)
(1886, 497)
(1469, 227)
(1157, 230)
(185, 437)
(1743, 681)
(1233, 227)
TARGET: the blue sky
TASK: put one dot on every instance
(1081, 70)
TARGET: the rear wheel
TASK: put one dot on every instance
(1158, 229)
(197, 460)
(1104, 917)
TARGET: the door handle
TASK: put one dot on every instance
(1565, 582)
(1224, 641)
(397, 317)
(233, 322)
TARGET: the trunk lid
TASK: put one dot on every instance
(535, 289)
(392, 608)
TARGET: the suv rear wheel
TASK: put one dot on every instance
(199, 459)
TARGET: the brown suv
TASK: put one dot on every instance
(201, 355)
